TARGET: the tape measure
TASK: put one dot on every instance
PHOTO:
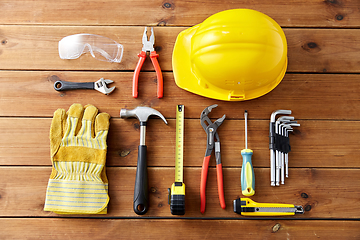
(179, 150)
(177, 191)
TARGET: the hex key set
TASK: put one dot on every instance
(279, 145)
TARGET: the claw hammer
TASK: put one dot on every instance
(141, 180)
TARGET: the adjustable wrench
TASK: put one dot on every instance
(100, 85)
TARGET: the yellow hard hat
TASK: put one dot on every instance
(234, 55)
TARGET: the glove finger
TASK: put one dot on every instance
(74, 113)
(57, 130)
(87, 128)
(101, 129)
(102, 122)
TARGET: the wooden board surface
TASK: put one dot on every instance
(164, 229)
(309, 96)
(319, 191)
(321, 87)
(309, 50)
(308, 13)
(23, 136)
(195, 229)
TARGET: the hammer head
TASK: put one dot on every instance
(141, 113)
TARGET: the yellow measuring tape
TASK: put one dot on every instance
(177, 191)
(179, 150)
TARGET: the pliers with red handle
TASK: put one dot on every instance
(148, 47)
(213, 140)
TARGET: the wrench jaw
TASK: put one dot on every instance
(101, 86)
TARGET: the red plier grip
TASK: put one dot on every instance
(204, 172)
(220, 182)
(153, 57)
(142, 56)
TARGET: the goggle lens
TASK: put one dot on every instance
(101, 48)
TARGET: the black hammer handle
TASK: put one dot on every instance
(63, 85)
(141, 183)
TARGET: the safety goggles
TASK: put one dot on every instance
(101, 48)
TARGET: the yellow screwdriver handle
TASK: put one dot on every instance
(247, 174)
(247, 170)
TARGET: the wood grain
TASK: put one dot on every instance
(309, 96)
(21, 228)
(36, 47)
(321, 87)
(320, 191)
(174, 13)
(319, 144)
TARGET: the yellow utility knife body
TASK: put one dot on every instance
(247, 207)
(177, 191)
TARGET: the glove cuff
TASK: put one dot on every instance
(73, 196)
(77, 187)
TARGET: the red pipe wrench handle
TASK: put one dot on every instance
(142, 57)
(204, 172)
(220, 182)
(160, 83)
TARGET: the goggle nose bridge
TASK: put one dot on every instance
(89, 48)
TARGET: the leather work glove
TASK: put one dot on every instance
(78, 182)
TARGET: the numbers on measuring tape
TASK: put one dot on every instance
(179, 143)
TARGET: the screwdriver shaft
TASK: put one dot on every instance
(247, 170)
(245, 115)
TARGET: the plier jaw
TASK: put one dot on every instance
(213, 140)
(210, 128)
(204, 116)
(212, 135)
(148, 46)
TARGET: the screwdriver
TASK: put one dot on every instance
(247, 170)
